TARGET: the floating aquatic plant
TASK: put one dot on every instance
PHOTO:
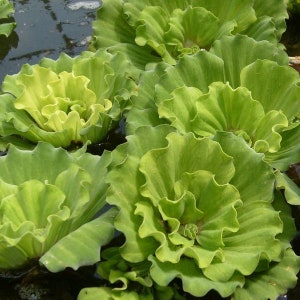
(6, 10)
(66, 102)
(48, 202)
(190, 210)
(128, 280)
(205, 93)
(152, 30)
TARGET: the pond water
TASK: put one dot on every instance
(45, 29)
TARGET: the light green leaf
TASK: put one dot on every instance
(45, 201)
(106, 293)
(249, 165)
(193, 282)
(187, 209)
(167, 29)
(289, 152)
(275, 93)
(272, 283)
(127, 221)
(82, 246)
(77, 105)
(290, 189)
(239, 51)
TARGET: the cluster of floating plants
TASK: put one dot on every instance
(197, 199)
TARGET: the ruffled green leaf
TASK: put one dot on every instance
(208, 105)
(106, 293)
(247, 161)
(263, 29)
(289, 152)
(188, 206)
(275, 93)
(244, 51)
(127, 222)
(277, 10)
(167, 29)
(82, 246)
(77, 105)
(198, 70)
(44, 201)
(224, 109)
(128, 279)
(274, 282)
(290, 189)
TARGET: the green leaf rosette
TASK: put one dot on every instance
(254, 95)
(127, 280)
(6, 10)
(67, 102)
(153, 30)
(189, 209)
(47, 208)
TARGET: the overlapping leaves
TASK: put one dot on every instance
(213, 91)
(48, 203)
(65, 102)
(187, 208)
(169, 29)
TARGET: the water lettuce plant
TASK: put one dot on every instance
(152, 30)
(6, 10)
(67, 102)
(256, 97)
(189, 213)
(48, 202)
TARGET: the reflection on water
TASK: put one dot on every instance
(45, 29)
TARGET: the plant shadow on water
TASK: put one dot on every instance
(45, 29)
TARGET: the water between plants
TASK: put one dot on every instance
(45, 29)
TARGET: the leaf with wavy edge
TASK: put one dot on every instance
(6, 10)
(29, 226)
(278, 142)
(115, 269)
(244, 51)
(106, 293)
(167, 29)
(151, 210)
(193, 281)
(82, 246)
(119, 35)
(289, 152)
(288, 187)
(275, 93)
(275, 9)
(128, 277)
(247, 161)
(263, 29)
(240, 11)
(186, 39)
(199, 70)
(274, 282)
(127, 222)
(75, 106)
(224, 109)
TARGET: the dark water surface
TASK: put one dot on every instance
(46, 28)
